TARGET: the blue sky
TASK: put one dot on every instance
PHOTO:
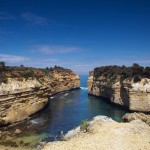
(76, 34)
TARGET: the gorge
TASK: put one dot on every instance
(63, 108)
(122, 86)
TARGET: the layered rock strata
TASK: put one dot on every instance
(124, 92)
(20, 99)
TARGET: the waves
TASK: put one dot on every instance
(35, 121)
(84, 88)
(66, 94)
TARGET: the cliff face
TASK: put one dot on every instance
(20, 98)
(124, 92)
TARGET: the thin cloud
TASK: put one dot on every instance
(34, 19)
(50, 60)
(46, 49)
(12, 58)
(6, 16)
(83, 65)
(2, 32)
(144, 61)
(130, 61)
(120, 62)
(5, 32)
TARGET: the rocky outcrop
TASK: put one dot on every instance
(136, 116)
(74, 132)
(21, 98)
(123, 92)
(106, 134)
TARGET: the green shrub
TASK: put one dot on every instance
(136, 72)
(84, 126)
(3, 78)
(28, 74)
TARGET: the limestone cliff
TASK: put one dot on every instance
(121, 91)
(22, 97)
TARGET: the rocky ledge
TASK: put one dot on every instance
(23, 96)
(129, 117)
(125, 86)
(105, 134)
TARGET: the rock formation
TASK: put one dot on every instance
(106, 134)
(136, 116)
(121, 91)
(21, 97)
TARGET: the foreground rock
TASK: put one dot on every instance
(121, 89)
(21, 97)
(106, 134)
(136, 116)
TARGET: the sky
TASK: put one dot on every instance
(75, 34)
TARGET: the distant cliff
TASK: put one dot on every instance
(125, 86)
(24, 91)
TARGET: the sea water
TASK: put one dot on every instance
(64, 112)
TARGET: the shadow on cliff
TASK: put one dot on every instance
(124, 94)
(37, 123)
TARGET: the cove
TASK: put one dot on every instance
(63, 112)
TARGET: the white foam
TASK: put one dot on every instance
(84, 88)
(68, 100)
(66, 94)
(34, 121)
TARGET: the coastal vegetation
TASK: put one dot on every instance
(84, 126)
(128, 87)
(135, 71)
(21, 72)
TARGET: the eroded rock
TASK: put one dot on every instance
(106, 134)
(136, 116)
(21, 98)
(123, 92)
(17, 131)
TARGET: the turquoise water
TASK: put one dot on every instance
(64, 112)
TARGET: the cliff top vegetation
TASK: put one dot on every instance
(135, 71)
(26, 72)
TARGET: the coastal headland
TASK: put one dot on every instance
(24, 91)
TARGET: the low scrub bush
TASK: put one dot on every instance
(84, 126)
(136, 72)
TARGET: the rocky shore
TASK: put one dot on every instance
(104, 133)
(129, 117)
(21, 97)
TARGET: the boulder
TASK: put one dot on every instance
(136, 116)
(17, 131)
